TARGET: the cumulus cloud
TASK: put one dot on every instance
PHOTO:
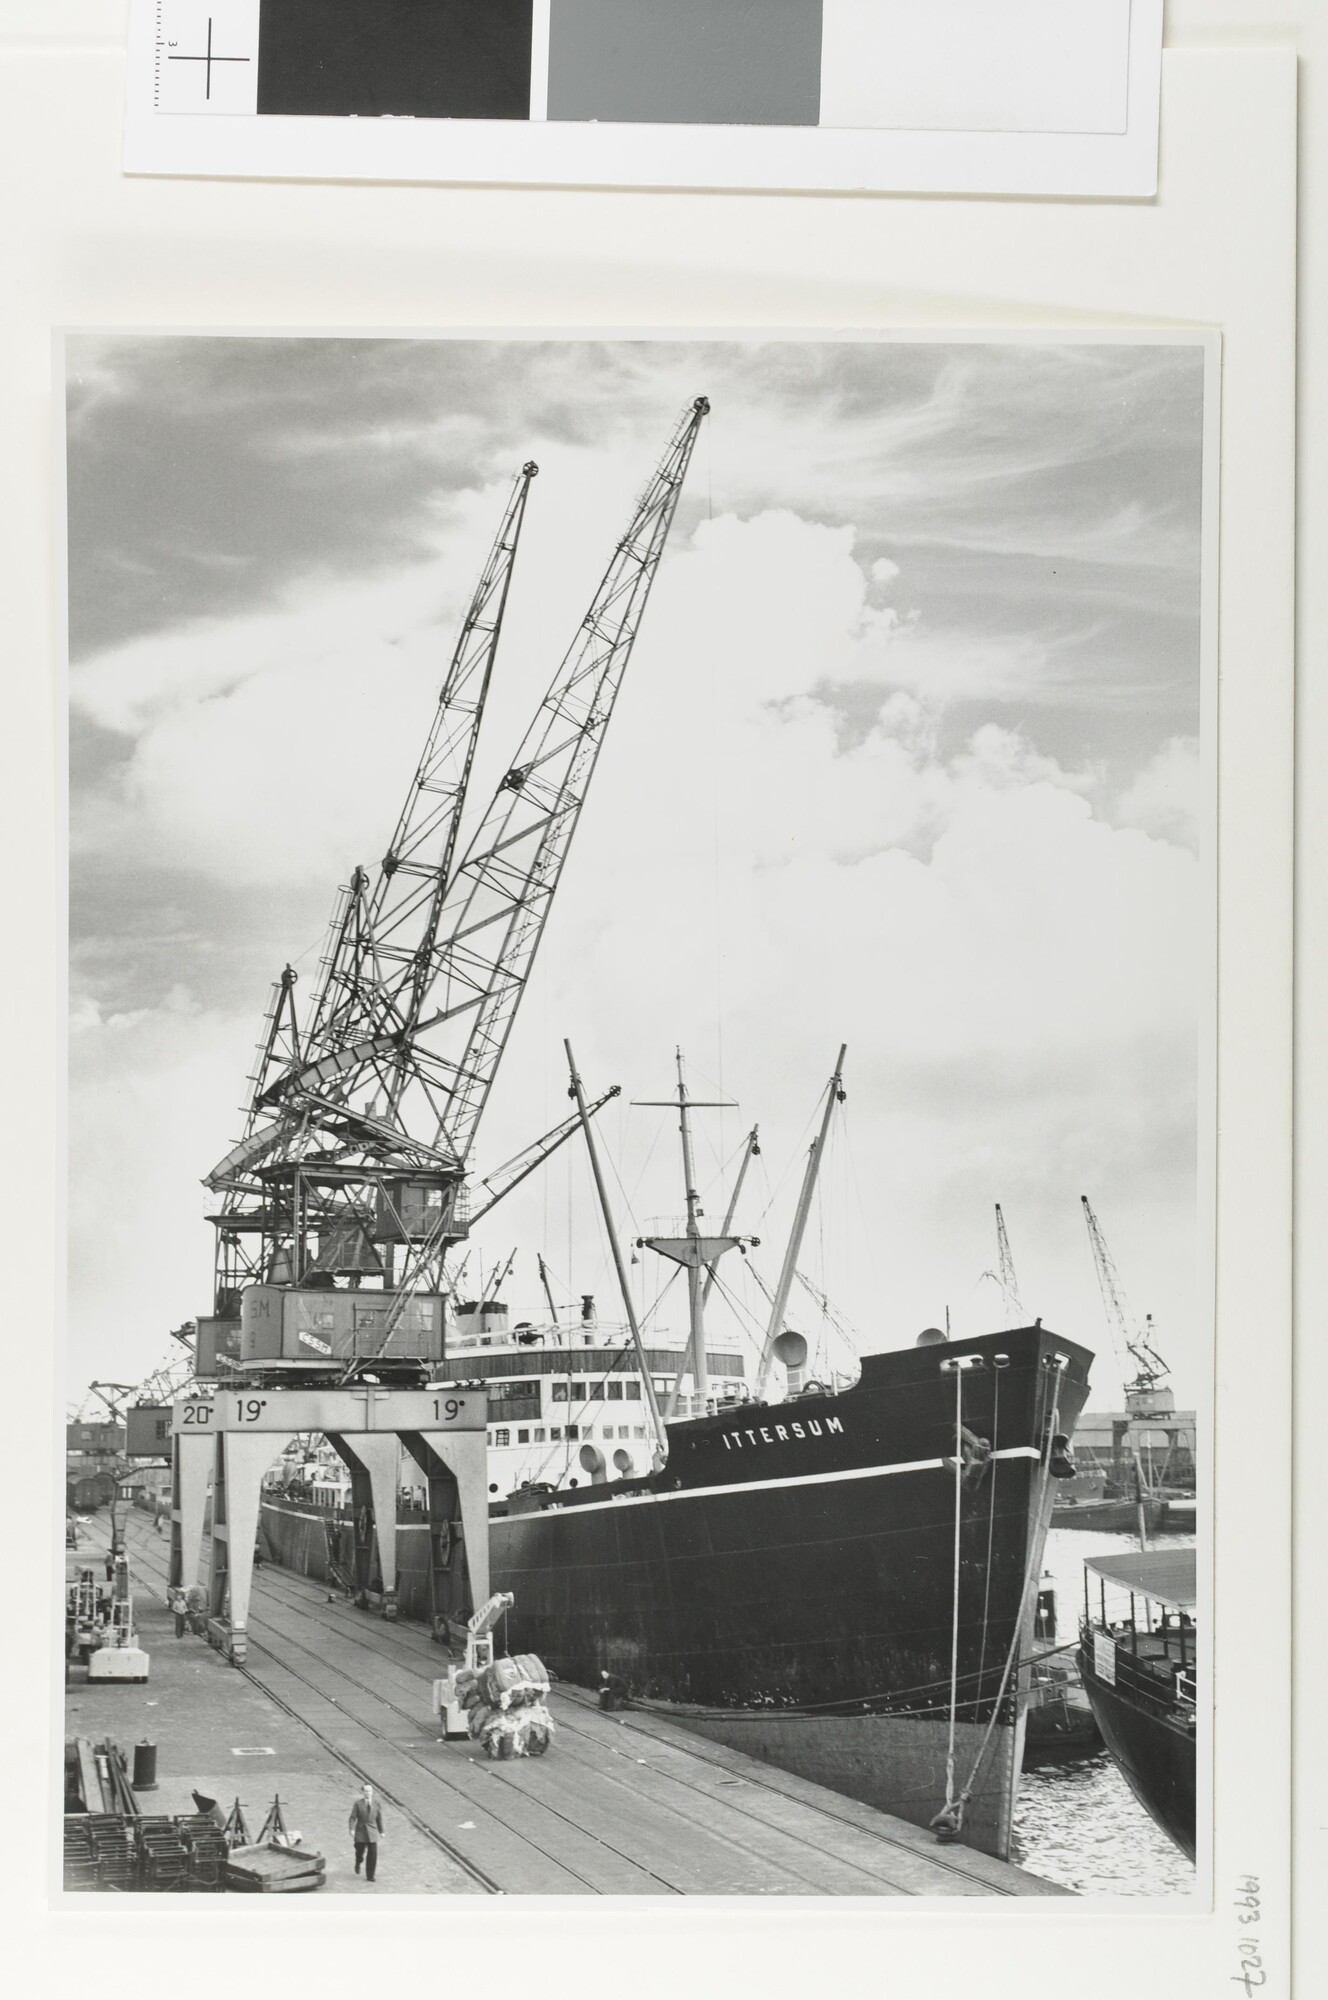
(1164, 798)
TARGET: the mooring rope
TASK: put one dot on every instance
(991, 1519)
(954, 1608)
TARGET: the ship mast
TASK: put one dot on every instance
(544, 1281)
(624, 1285)
(834, 1095)
(694, 1251)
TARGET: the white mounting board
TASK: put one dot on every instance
(86, 246)
(917, 96)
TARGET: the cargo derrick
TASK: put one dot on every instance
(348, 1188)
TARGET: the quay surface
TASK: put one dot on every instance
(622, 1805)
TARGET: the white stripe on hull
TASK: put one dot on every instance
(765, 1485)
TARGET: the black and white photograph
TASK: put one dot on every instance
(639, 1237)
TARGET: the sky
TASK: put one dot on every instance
(907, 757)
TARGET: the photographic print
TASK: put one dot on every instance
(640, 965)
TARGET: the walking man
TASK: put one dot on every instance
(366, 1830)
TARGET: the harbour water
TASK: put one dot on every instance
(1078, 1824)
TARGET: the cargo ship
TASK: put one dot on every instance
(841, 1582)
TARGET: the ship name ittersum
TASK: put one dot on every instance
(781, 1433)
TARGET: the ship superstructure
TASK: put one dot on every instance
(568, 1404)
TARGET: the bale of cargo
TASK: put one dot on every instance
(498, 1680)
(502, 1737)
(518, 1732)
(538, 1729)
(514, 1683)
(478, 1718)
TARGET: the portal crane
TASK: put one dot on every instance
(426, 965)
(1126, 1336)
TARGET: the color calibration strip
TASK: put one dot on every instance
(723, 62)
(655, 62)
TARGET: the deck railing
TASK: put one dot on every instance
(1160, 1680)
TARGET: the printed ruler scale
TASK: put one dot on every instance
(205, 57)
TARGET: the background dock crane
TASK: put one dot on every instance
(1009, 1284)
(1131, 1345)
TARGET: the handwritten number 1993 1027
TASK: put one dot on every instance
(1251, 1974)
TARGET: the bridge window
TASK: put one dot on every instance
(502, 1437)
(560, 1392)
(573, 1433)
(523, 1437)
(539, 1433)
(615, 1392)
(633, 1391)
(555, 1432)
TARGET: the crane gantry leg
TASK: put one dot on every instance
(374, 1463)
(192, 1454)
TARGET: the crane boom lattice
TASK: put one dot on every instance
(1127, 1339)
(359, 1123)
(496, 907)
(1009, 1284)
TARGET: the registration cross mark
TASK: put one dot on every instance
(207, 60)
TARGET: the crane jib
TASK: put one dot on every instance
(432, 919)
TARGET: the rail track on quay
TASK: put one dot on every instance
(633, 1805)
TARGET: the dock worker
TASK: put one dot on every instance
(366, 1830)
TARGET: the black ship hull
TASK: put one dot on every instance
(788, 1583)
